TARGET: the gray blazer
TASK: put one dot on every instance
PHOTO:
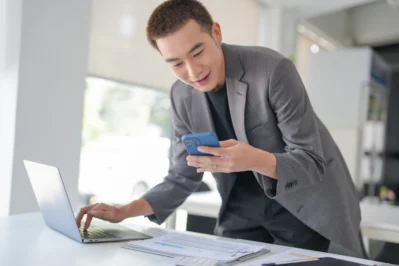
(270, 110)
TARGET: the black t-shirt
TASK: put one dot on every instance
(246, 192)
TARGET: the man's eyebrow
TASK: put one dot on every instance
(168, 60)
(195, 47)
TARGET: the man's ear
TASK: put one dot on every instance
(217, 33)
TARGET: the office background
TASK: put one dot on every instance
(81, 89)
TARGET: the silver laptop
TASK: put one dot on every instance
(57, 212)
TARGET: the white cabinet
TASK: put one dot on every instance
(348, 90)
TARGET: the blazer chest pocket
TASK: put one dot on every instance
(256, 127)
(264, 129)
(265, 136)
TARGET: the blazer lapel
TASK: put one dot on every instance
(237, 95)
(236, 91)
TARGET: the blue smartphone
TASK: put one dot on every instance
(192, 141)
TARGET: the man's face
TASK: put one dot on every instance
(194, 56)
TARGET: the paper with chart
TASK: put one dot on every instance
(175, 244)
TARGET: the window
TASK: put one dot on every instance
(125, 141)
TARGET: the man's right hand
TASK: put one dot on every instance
(101, 211)
(113, 214)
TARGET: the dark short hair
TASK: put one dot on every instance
(172, 15)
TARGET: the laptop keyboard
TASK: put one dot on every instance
(94, 232)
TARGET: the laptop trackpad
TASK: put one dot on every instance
(119, 231)
(128, 234)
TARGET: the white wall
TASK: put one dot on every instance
(376, 23)
(2, 37)
(302, 56)
(46, 66)
(239, 19)
(278, 28)
(126, 55)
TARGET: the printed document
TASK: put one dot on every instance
(175, 244)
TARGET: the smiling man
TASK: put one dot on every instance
(281, 177)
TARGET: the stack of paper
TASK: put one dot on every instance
(176, 244)
(298, 255)
(289, 256)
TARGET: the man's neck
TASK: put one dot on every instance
(219, 87)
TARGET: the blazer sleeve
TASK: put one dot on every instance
(181, 180)
(303, 162)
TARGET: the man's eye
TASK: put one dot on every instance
(177, 65)
(197, 54)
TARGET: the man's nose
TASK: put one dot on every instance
(194, 71)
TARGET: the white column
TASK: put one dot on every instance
(45, 43)
(10, 12)
(277, 29)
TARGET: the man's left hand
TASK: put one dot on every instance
(233, 156)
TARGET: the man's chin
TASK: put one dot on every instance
(204, 89)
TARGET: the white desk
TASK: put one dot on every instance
(379, 221)
(26, 241)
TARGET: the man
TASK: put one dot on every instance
(281, 177)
